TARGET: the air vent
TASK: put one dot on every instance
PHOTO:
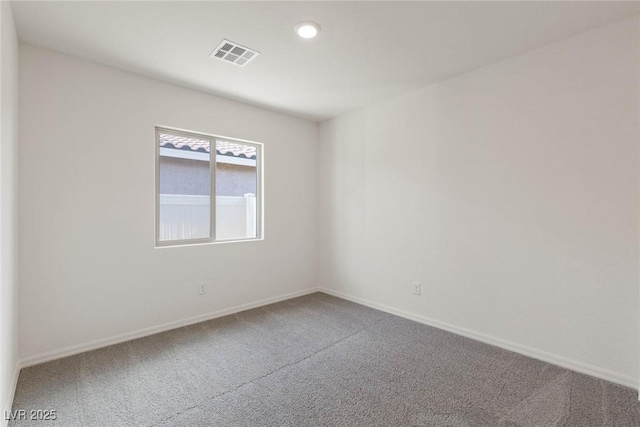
(234, 53)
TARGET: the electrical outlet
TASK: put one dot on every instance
(202, 288)
(417, 288)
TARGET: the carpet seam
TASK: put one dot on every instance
(387, 317)
(298, 361)
(317, 352)
(535, 393)
(573, 379)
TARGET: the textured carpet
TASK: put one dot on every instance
(316, 361)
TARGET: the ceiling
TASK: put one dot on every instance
(365, 52)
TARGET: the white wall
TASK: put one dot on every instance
(510, 192)
(88, 266)
(8, 207)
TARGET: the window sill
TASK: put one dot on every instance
(181, 244)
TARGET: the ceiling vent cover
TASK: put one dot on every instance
(233, 53)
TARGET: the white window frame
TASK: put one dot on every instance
(213, 160)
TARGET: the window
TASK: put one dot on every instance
(208, 188)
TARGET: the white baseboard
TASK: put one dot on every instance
(561, 361)
(12, 393)
(583, 368)
(116, 339)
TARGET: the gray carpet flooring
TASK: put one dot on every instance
(316, 361)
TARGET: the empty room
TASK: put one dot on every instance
(306, 214)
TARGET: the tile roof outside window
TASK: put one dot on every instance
(224, 148)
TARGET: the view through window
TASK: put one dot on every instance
(190, 175)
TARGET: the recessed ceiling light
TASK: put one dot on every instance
(307, 29)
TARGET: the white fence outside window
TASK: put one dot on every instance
(185, 216)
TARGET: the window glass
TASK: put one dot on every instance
(236, 190)
(184, 188)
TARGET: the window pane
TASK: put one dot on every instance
(236, 190)
(185, 188)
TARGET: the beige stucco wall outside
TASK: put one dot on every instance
(186, 176)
